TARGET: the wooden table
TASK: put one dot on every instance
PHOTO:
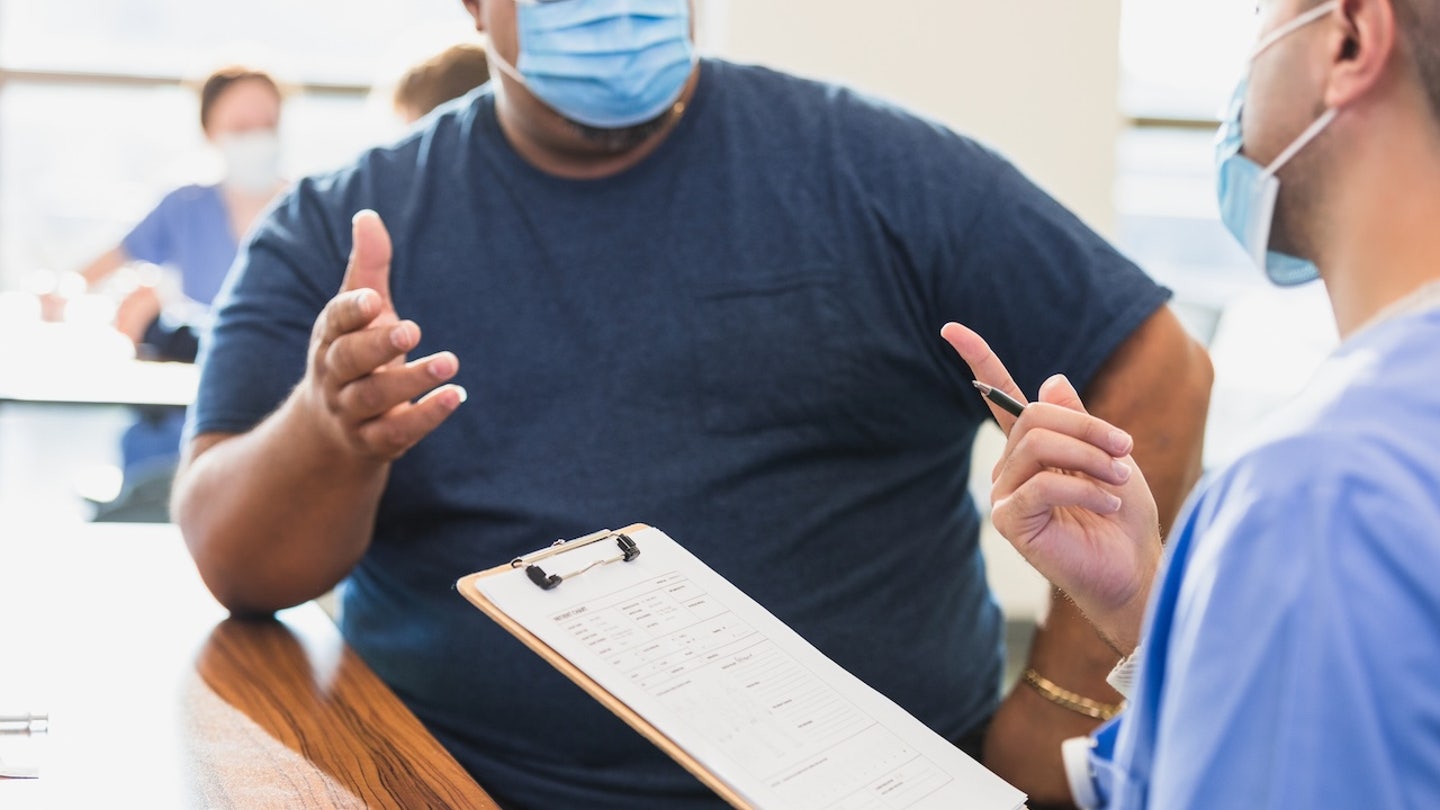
(157, 699)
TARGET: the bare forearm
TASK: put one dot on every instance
(103, 265)
(278, 515)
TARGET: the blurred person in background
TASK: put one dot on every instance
(194, 231)
(447, 75)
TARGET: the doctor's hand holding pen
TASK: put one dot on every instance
(1068, 496)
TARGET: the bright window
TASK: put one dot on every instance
(95, 124)
(1180, 60)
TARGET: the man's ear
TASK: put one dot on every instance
(477, 10)
(1363, 46)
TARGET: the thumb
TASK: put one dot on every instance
(369, 266)
(1058, 391)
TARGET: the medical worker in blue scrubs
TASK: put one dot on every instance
(194, 232)
(1289, 653)
(196, 228)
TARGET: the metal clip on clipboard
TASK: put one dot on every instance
(628, 551)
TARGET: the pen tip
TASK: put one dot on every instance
(983, 388)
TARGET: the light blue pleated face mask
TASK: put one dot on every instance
(1247, 191)
(608, 64)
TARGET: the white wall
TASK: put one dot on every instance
(1036, 79)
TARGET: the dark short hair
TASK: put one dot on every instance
(223, 79)
(449, 74)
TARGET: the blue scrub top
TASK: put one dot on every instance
(190, 231)
(1292, 655)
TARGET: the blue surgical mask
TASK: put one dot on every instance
(1247, 191)
(608, 64)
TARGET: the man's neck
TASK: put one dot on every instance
(552, 145)
(1382, 239)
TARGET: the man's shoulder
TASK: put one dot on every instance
(183, 199)
(811, 103)
(440, 137)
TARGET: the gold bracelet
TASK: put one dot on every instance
(1054, 693)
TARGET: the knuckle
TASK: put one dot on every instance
(367, 396)
(393, 438)
(336, 314)
(1096, 432)
(321, 326)
(333, 401)
(1027, 444)
(335, 354)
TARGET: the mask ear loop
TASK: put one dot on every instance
(1324, 120)
(504, 65)
(1290, 27)
(1301, 142)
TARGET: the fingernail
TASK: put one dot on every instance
(444, 366)
(358, 214)
(1120, 441)
(1113, 501)
(462, 394)
(401, 337)
(1122, 470)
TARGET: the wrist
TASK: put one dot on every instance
(1069, 650)
(1121, 626)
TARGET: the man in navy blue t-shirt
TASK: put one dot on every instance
(685, 292)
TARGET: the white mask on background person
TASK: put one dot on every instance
(252, 160)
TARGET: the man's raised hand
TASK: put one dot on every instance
(358, 384)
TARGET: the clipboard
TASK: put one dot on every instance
(466, 586)
(558, 588)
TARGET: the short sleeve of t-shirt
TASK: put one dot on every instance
(291, 268)
(1054, 296)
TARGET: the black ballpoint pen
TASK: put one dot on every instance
(1006, 402)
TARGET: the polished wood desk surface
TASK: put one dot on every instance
(158, 699)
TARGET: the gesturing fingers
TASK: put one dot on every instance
(370, 252)
(985, 365)
(358, 383)
(378, 393)
(357, 354)
(345, 313)
(1024, 514)
(390, 435)
(1038, 450)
